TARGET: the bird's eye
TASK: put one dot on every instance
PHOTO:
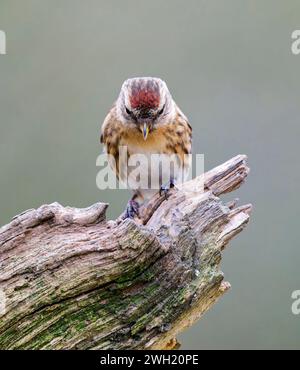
(128, 111)
(162, 110)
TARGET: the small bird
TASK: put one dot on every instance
(146, 120)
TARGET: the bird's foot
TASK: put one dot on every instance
(164, 189)
(132, 209)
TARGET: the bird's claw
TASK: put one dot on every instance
(164, 189)
(132, 209)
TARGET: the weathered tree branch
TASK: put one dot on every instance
(71, 279)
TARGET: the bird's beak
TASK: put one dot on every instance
(145, 131)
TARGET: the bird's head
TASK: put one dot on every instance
(145, 103)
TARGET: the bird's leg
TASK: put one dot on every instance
(132, 208)
(164, 189)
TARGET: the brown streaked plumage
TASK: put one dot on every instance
(146, 120)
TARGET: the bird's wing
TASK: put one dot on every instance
(182, 134)
(111, 133)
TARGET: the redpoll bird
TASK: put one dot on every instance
(146, 120)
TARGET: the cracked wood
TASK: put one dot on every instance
(73, 280)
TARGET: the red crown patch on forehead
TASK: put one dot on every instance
(145, 96)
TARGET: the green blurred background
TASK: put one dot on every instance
(228, 65)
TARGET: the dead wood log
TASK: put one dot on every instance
(69, 279)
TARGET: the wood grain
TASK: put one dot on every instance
(71, 279)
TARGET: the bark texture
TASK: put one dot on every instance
(69, 279)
